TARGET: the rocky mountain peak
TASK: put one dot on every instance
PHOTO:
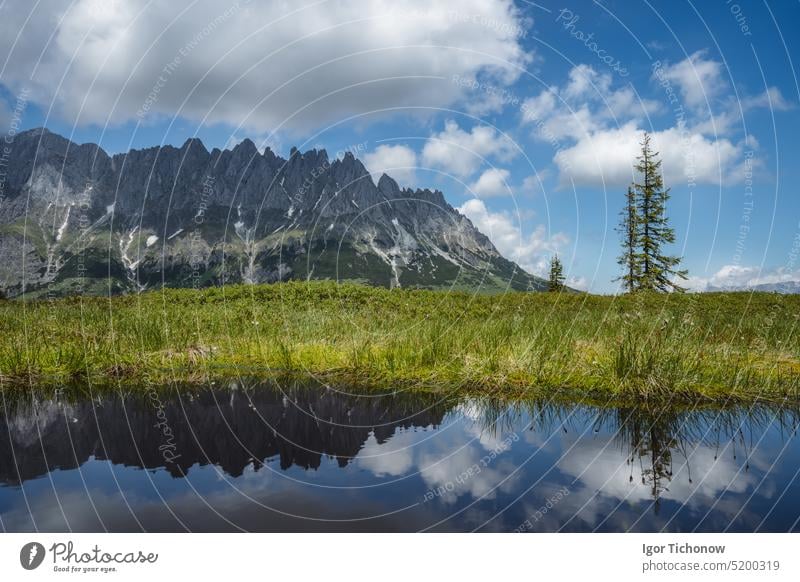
(388, 186)
(245, 149)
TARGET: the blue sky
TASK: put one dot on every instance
(525, 115)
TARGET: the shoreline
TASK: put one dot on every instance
(189, 379)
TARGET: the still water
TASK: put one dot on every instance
(256, 457)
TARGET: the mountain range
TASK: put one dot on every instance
(783, 287)
(74, 219)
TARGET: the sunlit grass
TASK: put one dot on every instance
(714, 346)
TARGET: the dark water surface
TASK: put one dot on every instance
(264, 458)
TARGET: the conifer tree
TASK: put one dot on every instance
(556, 280)
(657, 269)
(629, 233)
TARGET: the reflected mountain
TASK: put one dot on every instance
(232, 428)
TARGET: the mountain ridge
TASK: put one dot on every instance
(76, 219)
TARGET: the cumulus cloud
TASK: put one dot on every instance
(530, 251)
(712, 108)
(699, 79)
(259, 64)
(398, 161)
(541, 106)
(595, 128)
(492, 182)
(584, 104)
(585, 81)
(607, 157)
(461, 153)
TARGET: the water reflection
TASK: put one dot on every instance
(232, 428)
(258, 456)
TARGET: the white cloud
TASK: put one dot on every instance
(398, 161)
(625, 103)
(771, 98)
(579, 283)
(566, 123)
(585, 82)
(586, 104)
(540, 107)
(531, 252)
(492, 182)
(533, 185)
(461, 153)
(264, 61)
(743, 277)
(492, 100)
(607, 157)
(595, 129)
(734, 275)
(699, 79)
(730, 113)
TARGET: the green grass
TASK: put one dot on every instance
(721, 346)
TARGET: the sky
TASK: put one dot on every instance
(526, 115)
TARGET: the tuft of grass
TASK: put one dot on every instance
(717, 346)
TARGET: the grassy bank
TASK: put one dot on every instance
(682, 347)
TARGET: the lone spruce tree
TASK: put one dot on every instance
(629, 233)
(657, 269)
(556, 280)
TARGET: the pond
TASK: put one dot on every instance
(258, 456)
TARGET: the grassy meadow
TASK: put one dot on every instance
(657, 347)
